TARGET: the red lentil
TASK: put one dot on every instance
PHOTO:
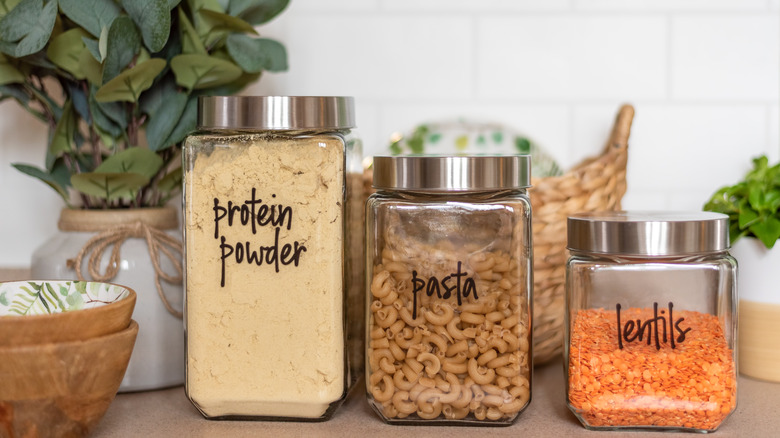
(691, 387)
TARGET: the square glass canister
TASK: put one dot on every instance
(449, 289)
(272, 213)
(651, 320)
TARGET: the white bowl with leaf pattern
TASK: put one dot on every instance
(39, 312)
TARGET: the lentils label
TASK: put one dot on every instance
(654, 329)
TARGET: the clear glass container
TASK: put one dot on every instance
(449, 290)
(650, 321)
(272, 214)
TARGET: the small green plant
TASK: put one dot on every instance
(753, 204)
(117, 81)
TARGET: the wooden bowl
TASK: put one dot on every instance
(61, 389)
(40, 312)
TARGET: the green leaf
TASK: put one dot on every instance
(6, 6)
(3, 299)
(185, 125)
(92, 15)
(102, 119)
(164, 109)
(153, 17)
(256, 54)
(8, 73)
(747, 216)
(123, 44)
(171, 182)
(37, 34)
(257, 12)
(767, 231)
(108, 186)
(80, 102)
(64, 134)
(136, 159)
(92, 69)
(129, 85)
(94, 48)
(201, 71)
(217, 25)
(498, 137)
(17, 23)
(44, 176)
(190, 41)
(65, 51)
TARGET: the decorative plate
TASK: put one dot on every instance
(20, 298)
(461, 137)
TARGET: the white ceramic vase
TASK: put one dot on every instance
(158, 357)
(759, 309)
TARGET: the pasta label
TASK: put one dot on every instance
(453, 282)
(661, 328)
(253, 213)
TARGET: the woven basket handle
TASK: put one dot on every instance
(622, 128)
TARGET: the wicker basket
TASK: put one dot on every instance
(597, 183)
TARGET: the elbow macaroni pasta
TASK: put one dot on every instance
(451, 362)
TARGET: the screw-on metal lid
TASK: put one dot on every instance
(452, 173)
(648, 233)
(296, 113)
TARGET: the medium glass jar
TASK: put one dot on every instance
(651, 320)
(449, 289)
(272, 203)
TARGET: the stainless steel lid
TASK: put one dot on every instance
(648, 233)
(452, 173)
(297, 113)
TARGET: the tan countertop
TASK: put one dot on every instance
(168, 413)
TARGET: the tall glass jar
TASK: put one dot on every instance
(651, 320)
(272, 236)
(449, 289)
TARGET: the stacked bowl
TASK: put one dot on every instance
(64, 348)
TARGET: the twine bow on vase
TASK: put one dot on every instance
(158, 242)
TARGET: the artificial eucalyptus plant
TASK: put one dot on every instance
(753, 204)
(117, 82)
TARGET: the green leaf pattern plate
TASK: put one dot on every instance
(19, 298)
(462, 137)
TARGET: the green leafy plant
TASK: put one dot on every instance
(117, 82)
(753, 204)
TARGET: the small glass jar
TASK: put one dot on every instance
(650, 321)
(449, 289)
(272, 213)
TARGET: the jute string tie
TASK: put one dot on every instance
(157, 241)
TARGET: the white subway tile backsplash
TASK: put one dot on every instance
(545, 125)
(670, 5)
(591, 127)
(676, 147)
(332, 5)
(379, 57)
(694, 199)
(644, 200)
(475, 6)
(571, 57)
(725, 57)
